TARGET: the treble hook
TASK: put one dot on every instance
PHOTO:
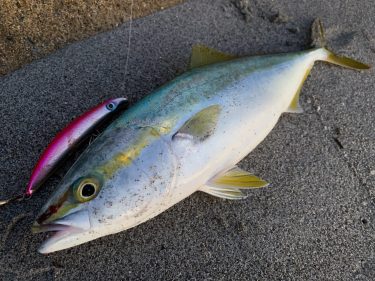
(17, 198)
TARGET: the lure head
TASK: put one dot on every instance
(113, 104)
(116, 184)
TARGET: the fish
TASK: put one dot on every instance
(187, 136)
(65, 141)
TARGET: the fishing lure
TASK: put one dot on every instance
(187, 136)
(64, 142)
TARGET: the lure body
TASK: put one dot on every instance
(63, 143)
(185, 137)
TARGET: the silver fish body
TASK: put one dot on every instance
(186, 136)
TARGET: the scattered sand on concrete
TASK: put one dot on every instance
(30, 29)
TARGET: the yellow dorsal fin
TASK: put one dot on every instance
(202, 55)
(201, 125)
(238, 179)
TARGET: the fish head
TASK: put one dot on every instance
(113, 186)
(68, 213)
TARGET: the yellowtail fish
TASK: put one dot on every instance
(187, 136)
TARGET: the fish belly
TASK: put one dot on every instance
(251, 107)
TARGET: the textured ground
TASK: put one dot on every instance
(30, 29)
(316, 221)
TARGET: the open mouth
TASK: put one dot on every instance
(73, 222)
(54, 229)
(50, 227)
(63, 232)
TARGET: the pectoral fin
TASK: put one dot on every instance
(201, 125)
(229, 184)
(202, 55)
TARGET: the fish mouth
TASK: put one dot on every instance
(53, 228)
(63, 233)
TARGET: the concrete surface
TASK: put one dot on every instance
(314, 222)
(31, 29)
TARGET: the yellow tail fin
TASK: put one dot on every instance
(344, 61)
(318, 41)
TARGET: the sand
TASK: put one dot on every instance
(31, 29)
(314, 222)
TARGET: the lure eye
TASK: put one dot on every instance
(111, 106)
(87, 190)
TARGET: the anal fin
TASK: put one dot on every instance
(295, 106)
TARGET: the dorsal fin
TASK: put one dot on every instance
(201, 125)
(318, 39)
(202, 55)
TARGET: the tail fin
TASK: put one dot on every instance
(344, 61)
(318, 41)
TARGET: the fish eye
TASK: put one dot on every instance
(86, 190)
(110, 106)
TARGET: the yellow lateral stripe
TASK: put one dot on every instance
(126, 157)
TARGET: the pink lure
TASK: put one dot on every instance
(64, 141)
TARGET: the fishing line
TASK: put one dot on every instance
(129, 38)
(24, 196)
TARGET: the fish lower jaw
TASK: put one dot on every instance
(64, 239)
(65, 232)
(56, 233)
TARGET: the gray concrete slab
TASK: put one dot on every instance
(314, 222)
